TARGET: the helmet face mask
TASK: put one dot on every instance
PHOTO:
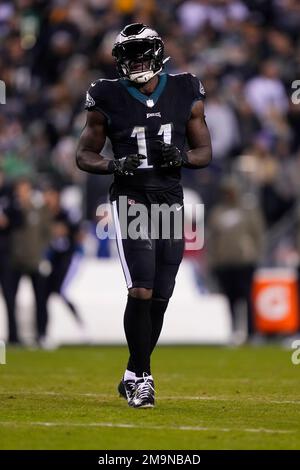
(139, 56)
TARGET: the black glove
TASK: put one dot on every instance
(125, 166)
(171, 156)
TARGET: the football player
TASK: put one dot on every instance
(149, 116)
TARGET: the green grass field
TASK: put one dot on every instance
(207, 398)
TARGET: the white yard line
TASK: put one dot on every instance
(159, 397)
(238, 398)
(146, 426)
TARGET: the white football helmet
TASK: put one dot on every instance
(139, 53)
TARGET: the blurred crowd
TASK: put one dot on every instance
(246, 53)
(38, 239)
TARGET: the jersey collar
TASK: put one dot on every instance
(147, 100)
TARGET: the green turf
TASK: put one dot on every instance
(247, 398)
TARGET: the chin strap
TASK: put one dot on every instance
(135, 79)
(142, 77)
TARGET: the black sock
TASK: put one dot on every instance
(158, 308)
(137, 325)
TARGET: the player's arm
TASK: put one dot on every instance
(199, 142)
(90, 144)
(198, 138)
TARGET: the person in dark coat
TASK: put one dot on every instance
(10, 219)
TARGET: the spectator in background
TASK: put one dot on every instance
(267, 174)
(234, 241)
(29, 244)
(63, 253)
(10, 219)
(223, 128)
(247, 121)
(195, 14)
(265, 92)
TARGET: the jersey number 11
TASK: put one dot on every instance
(140, 133)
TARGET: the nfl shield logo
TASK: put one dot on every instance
(150, 103)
